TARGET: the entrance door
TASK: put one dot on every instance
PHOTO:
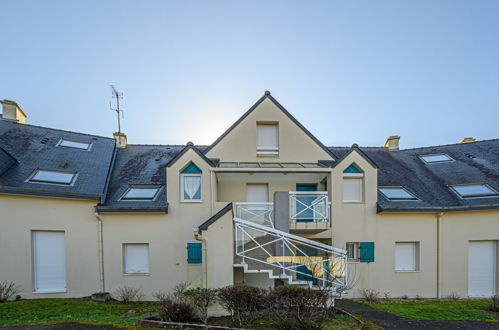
(304, 212)
(49, 261)
(482, 269)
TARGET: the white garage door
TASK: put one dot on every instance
(49, 261)
(482, 269)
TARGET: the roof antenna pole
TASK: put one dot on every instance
(117, 95)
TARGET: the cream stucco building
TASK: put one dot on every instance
(266, 204)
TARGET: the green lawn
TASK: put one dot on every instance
(39, 311)
(440, 310)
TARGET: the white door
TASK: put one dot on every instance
(49, 261)
(482, 269)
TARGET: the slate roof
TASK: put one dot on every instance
(35, 147)
(475, 163)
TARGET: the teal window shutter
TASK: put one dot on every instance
(352, 169)
(191, 168)
(366, 252)
(194, 253)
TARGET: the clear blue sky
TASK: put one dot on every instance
(350, 71)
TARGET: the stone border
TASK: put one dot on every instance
(161, 324)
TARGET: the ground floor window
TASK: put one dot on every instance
(406, 256)
(352, 251)
(49, 261)
(136, 258)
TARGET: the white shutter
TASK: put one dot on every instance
(482, 269)
(257, 193)
(405, 256)
(136, 258)
(49, 261)
(267, 137)
(352, 190)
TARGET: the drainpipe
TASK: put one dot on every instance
(204, 265)
(100, 244)
(439, 217)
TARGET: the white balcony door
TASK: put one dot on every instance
(49, 261)
(482, 269)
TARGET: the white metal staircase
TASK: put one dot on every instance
(260, 248)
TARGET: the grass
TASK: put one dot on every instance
(50, 311)
(475, 310)
(46, 311)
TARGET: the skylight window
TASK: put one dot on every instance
(74, 144)
(56, 177)
(436, 158)
(397, 194)
(474, 190)
(146, 193)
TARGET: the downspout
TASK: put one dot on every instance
(439, 217)
(204, 265)
(100, 244)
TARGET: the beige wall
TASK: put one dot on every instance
(20, 215)
(294, 145)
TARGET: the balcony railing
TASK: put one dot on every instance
(259, 213)
(308, 206)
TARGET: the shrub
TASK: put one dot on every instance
(241, 301)
(127, 294)
(7, 290)
(494, 304)
(201, 299)
(453, 296)
(370, 295)
(174, 306)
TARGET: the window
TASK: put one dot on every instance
(49, 261)
(397, 194)
(352, 251)
(136, 258)
(352, 190)
(190, 183)
(74, 144)
(436, 158)
(145, 193)
(267, 139)
(406, 256)
(57, 177)
(474, 190)
(257, 192)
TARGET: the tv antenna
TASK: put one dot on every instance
(117, 95)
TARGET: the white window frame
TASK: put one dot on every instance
(182, 199)
(34, 262)
(396, 199)
(417, 257)
(450, 159)
(59, 183)
(267, 151)
(61, 141)
(125, 259)
(494, 194)
(353, 176)
(355, 251)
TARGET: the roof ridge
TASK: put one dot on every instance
(450, 144)
(63, 130)
(163, 145)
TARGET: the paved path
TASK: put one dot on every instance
(394, 322)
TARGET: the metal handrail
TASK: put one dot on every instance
(259, 213)
(317, 210)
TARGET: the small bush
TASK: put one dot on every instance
(241, 301)
(127, 294)
(494, 304)
(452, 296)
(370, 296)
(201, 299)
(174, 306)
(404, 297)
(8, 290)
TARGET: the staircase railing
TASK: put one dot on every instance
(302, 260)
(259, 213)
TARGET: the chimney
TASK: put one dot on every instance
(12, 111)
(392, 143)
(467, 140)
(121, 140)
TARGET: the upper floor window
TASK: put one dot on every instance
(474, 190)
(353, 184)
(436, 158)
(141, 193)
(267, 139)
(74, 144)
(55, 177)
(397, 194)
(191, 183)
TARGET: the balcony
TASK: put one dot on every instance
(309, 211)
